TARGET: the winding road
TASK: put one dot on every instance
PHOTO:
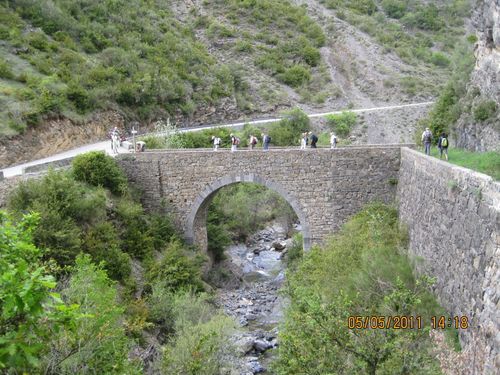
(106, 146)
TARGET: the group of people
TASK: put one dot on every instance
(235, 142)
(309, 136)
(442, 143)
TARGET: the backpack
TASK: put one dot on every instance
(444, 142)
(427, 137)
(268, 139)
(236, 141)
(254, 141)
(314, 139)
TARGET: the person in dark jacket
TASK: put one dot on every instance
(314, 140)
(443, 145)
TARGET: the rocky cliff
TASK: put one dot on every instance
(479, 127)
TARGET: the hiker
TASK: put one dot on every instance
(443, 145)
(333, 140)
(216, 142)
(252, 142)
(115, 140)
(303, 141)
(140, 146)
(427, 139)
(266, 140)
(314, 140)
(235, 141)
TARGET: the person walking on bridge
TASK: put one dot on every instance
(427, 139)
(235, 141)
(266, 140)
(252, 142)
(333, 140)
(216, 142)
(314, 140)
(303, 141)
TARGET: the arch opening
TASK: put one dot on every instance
(196, 230)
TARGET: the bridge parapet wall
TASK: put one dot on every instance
(453, 218)
(325, 187)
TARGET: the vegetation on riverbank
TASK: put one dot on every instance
(123, 278)
(351, 276)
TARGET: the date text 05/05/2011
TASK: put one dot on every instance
(405, 322)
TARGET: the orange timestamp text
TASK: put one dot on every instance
(405, 322)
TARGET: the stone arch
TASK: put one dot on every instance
(196, 232)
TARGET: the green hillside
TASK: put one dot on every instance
(71, 58)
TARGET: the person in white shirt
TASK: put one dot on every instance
(216, 142)
(333, 140)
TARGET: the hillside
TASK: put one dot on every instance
(71, 69)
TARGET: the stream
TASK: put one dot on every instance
(255, 302)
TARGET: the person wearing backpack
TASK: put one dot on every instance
(235, 141)
(216, 142)
(443, 145)
(314, 140)
(266, 140)
(427, 139)
(252, 142)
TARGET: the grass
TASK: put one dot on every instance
(484, 162)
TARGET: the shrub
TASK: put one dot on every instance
(98, 169)
(97, 342)
(288, 131)
(336, 282)
(201, 343)
(64, 205)
(29, 310)
(176, 269)
(295, 76)
(5, 70)
(394, 8)
(342, 124)
(133, 229)
(439, 59)
(102, 243)
(485, 110)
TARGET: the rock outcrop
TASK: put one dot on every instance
(484, 85)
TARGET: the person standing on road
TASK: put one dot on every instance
(216, 142)
(252, 142)
(333, 140)
(115, 140)
(314, 140)
(266, 140)
(234, 142)
(427, 139)
(443, 146)
(303, 141)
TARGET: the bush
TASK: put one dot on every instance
(201, 344)
(336, 282)
(288, 131)
(98, 169)
(342, 124)
(64, 205)
(485, 110)
(439, 59)
(29, 310)
(5, 71)
(176, 269)
(97, 342)
(295, 76)
(394, 8)
(102, 243)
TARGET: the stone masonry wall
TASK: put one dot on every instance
(453, 218)
(325, 187)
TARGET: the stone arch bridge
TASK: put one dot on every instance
(323, 186)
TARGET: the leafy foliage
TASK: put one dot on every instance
(485, 110)
(98, 342)
(98, 169)
(29, 311)
(342, 124)
(288, 130)
(351, 277)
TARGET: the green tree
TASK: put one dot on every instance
(351, 277)
(288, 131)
(342, 124)
(30, 312)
